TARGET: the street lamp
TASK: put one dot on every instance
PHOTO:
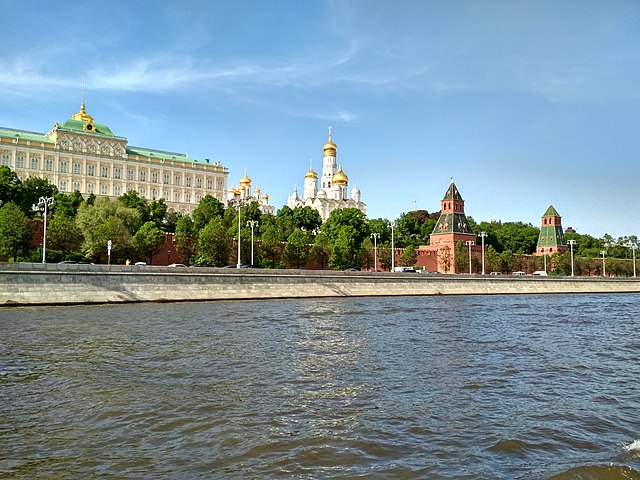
(393, 250)
(482, 235)
(604, 268)
(252, 224)
(239, 207)
(470, 243)
(544, 253)
(633, 247)
(43, 206)
(571, 244)
(375, 237)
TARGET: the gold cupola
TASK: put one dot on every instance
(245, 181)
(85, 118)
(330, 147)
(311, 173)
(340, 178)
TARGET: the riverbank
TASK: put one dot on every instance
(53, 284)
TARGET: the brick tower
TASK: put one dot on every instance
(452, 226)
(551, 239)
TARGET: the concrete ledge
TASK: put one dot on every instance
(53, 284)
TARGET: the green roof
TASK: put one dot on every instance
(452, 223)
(78, 126)
(148, 152)
(24, 135)
(551, 236)
(452, 193)
(551, 212)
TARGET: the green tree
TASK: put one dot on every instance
(518, 237)
(208, 209)
(271, 246)
(321, 250)
(32, 189)
(296, 251)
(186, 238)
(345, 249)
(67, 205)
(384, 256)
(367, 254)
(306, 218)
(64, 235)
(461, 257)
(133, 200)
(493, 260)
(213, 244)
(148, 240)
(409, 256)
(157, 212)
(284, 220)
(16, 231)
(9, 186)
(381, 226)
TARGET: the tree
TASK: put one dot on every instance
(461, 257)
(16, 231)
(494, 262)
(157, 212)
(208, 209)
(32, 189)
(186, 238)
(384, 256)
(9, 186)
(444, 258)
(148, 240)
(284, 220)
(271, 246)
(345, 249)
(64, 235)
(306, 218)
(67, 205)
(213, 244)
(381, 226)
(409, 256)
(106, 217)
(321, 250)
(296, 251)
(133, 200)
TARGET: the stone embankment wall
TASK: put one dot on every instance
(52, 284)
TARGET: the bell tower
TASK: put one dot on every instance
(551, 239)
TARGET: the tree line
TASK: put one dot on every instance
(79, 229)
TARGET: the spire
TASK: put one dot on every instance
(82, 115)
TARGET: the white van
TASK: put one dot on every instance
(540, 273)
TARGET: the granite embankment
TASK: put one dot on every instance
(52, 284)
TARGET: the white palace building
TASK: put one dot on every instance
(85, 156)
(332, 192)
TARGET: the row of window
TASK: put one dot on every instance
(117, 191)
(117, 173)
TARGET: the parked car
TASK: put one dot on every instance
(519, 274)
(540, 273)
(140, 264)
(176, 265)
(495, 273)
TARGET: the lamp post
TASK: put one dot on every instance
(482, 235)
(393, 250)
(604, 268)
(633, 247)
(571, 244)
(43, 206)
(375, 237)
(544, 254)
(252, 224)
(470, 243)
(239, 207)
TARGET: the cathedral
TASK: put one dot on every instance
(330, 191)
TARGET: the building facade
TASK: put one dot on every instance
(329, 192)
(85, 156)
(451, 228)
(551, 239)
(244, 194)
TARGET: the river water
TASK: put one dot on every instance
(473, 387)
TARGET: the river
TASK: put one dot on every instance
(446, 387)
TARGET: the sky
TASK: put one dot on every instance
(523, 103)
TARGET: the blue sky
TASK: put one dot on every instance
(523, 103)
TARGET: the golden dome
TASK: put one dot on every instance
(330, 147)
(311, 174)
(245, 181)
(339, 178)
